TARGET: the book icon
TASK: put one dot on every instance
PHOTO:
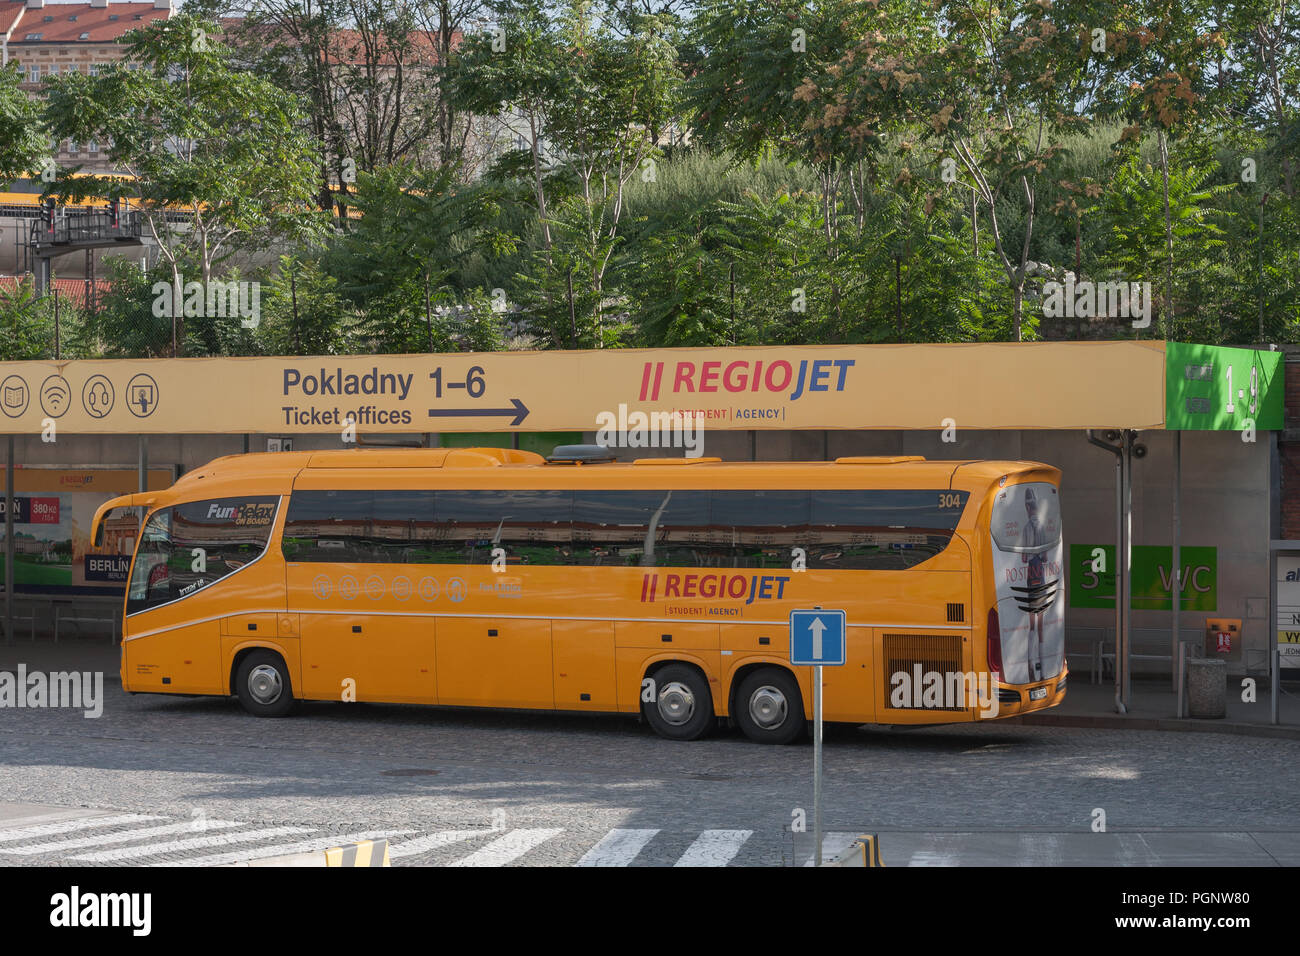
(14, 396)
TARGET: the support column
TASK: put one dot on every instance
(1119, 587)
(9, 543)
(1126, 566)
(1177, 577)
(142, 466)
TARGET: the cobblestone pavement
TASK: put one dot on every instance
(195, 780)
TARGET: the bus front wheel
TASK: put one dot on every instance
(682, 708)
(769, 707)
(262, 685)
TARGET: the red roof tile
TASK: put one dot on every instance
(94, 22)
(70, 290)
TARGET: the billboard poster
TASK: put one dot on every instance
(1027, 568)
(1288, 609)
(53, 510)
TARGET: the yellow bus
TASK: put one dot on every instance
(660, 588)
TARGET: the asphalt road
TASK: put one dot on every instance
(196, 781)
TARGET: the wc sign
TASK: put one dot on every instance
(1152, 577)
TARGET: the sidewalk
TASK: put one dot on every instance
(70, 654)
(1153, 705)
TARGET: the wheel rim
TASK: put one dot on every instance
(264, 684)
(676, 703)
(767, 707)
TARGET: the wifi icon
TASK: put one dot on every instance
(56, 395)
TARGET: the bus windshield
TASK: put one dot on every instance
(191, 546)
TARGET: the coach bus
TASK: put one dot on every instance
(662, 588)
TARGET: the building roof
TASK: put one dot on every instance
(75, 22)
(70, 290)
(347, 46)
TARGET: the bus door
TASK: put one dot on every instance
(357, 596)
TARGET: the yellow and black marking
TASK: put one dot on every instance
(870, 844)
(864, 852)
(365, 853)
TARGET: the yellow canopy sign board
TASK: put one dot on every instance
(993, 385)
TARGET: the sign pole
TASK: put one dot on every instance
(818, 637)
(1275, 621)
(817, 765)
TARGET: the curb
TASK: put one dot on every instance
(863, 852)
(1185, 725)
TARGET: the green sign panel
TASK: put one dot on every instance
(1211, 388)
(1152, 577)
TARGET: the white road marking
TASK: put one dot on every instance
(305, 846)
(714, 848)
(78, 814)
(509, 847)
(173, 846)
(433, 841)
(617, 848)
(14, 834)
(130, 836)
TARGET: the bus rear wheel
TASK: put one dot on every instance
(682, 708)
(769, 707)
(262, 685)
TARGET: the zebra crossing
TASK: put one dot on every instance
(140, 839)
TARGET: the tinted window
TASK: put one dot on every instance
(189, 547)
(680, 528)
(531, 527)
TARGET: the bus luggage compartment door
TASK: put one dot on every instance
(495, 662)
(368, 657)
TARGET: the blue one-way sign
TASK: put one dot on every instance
(817, 637)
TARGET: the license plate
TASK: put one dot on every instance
(1038, 693)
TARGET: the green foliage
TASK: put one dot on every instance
(26, 323)
(21, 144)
(400, 266)
(1135, 210)
(128, 323)
(303, 311)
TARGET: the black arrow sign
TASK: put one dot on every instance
(519, 411)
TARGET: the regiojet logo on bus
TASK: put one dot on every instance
(763, 587)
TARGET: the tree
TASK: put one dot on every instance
(400, 265)
(26, 323)
(1161, 49)
(201, 137)
(592, 83)
(22, 139)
